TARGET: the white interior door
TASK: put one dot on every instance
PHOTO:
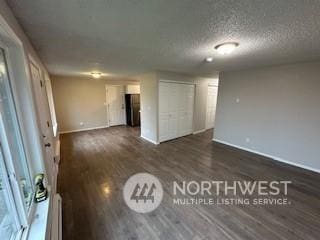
(43, 113)
(186, 102)
(168, 105)
(115, 105)
(172, 113)
(175, 110)
(211, 106)
(164, 91)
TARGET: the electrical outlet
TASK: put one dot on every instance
(237, 100)
(247, 139)
(81, 123)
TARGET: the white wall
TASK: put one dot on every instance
(278, 113)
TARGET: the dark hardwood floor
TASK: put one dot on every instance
(96, 164)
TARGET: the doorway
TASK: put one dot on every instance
(211, 106)
(115, 105)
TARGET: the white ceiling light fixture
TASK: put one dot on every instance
(226, 48)
(96, 74)
(209, 59)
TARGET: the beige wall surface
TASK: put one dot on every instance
(149, 106)
(274, 111)
(81, 100)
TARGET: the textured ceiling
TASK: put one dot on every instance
(125, 37)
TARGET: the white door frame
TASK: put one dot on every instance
(44, 122)
(210, 85)
(107, 105)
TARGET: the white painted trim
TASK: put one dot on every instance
(149, 140)
(269, 156)
(83, 129)
(56, 227)
(179, 82)
(199, 131)
(55, 129)
(40, 226)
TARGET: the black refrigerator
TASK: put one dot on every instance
(133, 109)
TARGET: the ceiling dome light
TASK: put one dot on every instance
(226, 48)
(96, 74)
(209, 59)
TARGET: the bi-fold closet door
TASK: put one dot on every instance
(176, 102)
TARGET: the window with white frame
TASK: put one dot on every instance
(16, 186)
(8, 226)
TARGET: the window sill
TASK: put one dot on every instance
(39, 226)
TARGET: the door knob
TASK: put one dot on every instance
(47, 145)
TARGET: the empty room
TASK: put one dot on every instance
(168, 120)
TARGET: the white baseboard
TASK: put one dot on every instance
(149, 140)
(83, 129)
(269, 156)
(199, 131)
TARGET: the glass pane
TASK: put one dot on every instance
(11, 126)
(7, 226)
